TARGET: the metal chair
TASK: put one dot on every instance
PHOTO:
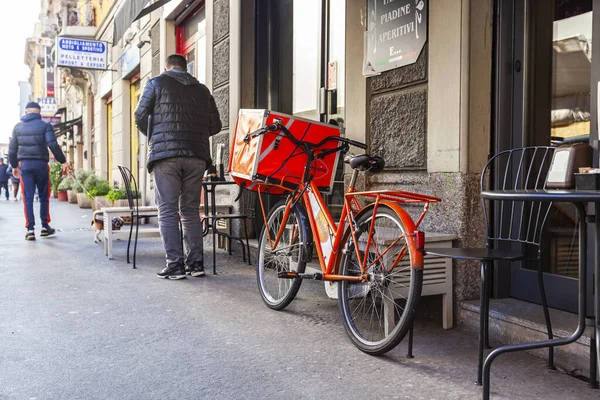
(514, 231)
(133, 200)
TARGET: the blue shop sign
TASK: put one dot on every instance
(129, 61)
(81, 53)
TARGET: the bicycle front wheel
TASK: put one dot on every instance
(290, 254)
(378, 313)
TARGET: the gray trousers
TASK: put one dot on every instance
(178, 185)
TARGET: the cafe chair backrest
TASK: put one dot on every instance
(130, 187)
(517, 169)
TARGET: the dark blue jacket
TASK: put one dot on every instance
(31, 139)
(3, 174)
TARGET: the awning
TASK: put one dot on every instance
(129, 12)
(64, 127)
(125, 16)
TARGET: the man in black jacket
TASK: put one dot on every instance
(28, 154)
(183, 116)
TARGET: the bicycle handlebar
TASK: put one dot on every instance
(288, 134)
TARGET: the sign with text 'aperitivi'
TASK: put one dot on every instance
(81, 53)
(397, 32)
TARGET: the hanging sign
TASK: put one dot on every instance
(129, 61)
(397, 32)
(80, 53)
(48, 106)
(49, 66)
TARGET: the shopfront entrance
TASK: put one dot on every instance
(300, 69)
(191, 42)
(546, 93)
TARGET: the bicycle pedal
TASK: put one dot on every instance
(287, 275)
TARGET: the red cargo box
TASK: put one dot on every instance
(273, 160)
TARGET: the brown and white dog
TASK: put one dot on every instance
(98, 224)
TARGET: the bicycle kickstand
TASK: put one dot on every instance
(410, 341)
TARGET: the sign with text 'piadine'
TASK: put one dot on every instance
(81, 53)
(397, 32)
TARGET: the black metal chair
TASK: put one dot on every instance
(133, 200)
(514, 232)
(131, 189)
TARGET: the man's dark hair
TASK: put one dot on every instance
(176, 61)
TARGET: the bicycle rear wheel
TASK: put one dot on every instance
(290, 255)
(378, 313)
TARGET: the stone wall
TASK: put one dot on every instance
(397, 111)
(220, 68)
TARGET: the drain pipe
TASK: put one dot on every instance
(465, 53)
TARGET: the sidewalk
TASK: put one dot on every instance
(76, 325)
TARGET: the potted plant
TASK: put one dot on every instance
(62, 190)
(117, 197)
(68, 184)
(82, 200)
(98, 194)
(56, 177)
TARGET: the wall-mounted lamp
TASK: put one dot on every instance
(142, 43)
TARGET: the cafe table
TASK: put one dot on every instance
(579, 198)
(211, 216)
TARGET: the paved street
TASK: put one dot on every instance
(74, 325)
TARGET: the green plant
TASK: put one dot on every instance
(81, 175)
(116, 194)
(90, 182)
(56, 175)
(67, 183)
(102, 188)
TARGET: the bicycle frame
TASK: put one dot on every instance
(329, 235)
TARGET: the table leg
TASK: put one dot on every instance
(596, 290)
(214, 226)
(108, 227)
(105, 234)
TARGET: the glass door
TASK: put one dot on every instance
(550, 105)
(318, 71)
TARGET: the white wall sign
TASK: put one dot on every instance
(48, 106)
(80, 53)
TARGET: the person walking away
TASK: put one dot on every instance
(15, 180)
(28, 154)
(4, 177)
(184, 115)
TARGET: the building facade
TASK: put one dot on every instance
(481, 82)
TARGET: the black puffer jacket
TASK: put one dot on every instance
(31, 139)
(184, 115)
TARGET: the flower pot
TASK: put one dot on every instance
(55, 194)
(99, 202)
(72, 196)
(83, 201)
(62, 195)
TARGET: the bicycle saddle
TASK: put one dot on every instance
(365, 162)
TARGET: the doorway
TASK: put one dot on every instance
(300, 68)
(191, 42)
(544, 97)
(134, 142)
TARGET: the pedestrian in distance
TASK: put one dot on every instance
(178, 114)
(28, 154)
(4, 177)
(16, 181)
